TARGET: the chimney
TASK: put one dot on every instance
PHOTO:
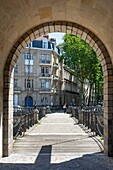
(46, 36)
(53, 40)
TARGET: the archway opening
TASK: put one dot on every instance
(74, 29)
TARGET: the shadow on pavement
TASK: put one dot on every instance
(97, 161)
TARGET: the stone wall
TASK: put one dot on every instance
(21, 22)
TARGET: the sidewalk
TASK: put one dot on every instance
(58, 143)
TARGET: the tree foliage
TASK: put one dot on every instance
(81, 58)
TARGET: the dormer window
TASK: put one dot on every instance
(45, 43)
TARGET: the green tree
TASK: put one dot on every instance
(82, 59)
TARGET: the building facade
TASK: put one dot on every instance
(40, 79)
(70, 87)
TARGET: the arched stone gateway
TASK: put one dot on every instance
(105, 60)
(40, 16)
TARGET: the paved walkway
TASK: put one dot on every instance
(58, 143)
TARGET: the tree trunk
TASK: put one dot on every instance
(98, 91)
(81, 95)
(89, 99)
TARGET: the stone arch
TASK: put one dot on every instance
(93, 41)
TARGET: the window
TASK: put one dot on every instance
(45, 58)
(42, 58)
(28, 84)
(28, 68)
(42, 83)
(44, 99)
(15, 82)
(45, 44)
(28, 62)
(32, 84)
(16, 99)
(44, 69)
(16, 69)
(52, 46)
(28, 56)
(25, 83)
(47, 69)
(45, 84)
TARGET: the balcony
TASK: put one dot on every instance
(44, 90)
(44, 62)
(17, 89)
(44, 75)
(29, 90)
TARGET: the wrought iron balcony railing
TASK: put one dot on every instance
(45, 62)
(44, 89)
(44, 75)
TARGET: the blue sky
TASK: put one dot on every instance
(58, 37)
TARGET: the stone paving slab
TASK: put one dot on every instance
(58, 143)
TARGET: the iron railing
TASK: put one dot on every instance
(90, 117)
(21, 122)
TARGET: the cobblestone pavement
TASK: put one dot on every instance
(58, 143)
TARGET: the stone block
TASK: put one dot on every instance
(58, 28)
(63, 28)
